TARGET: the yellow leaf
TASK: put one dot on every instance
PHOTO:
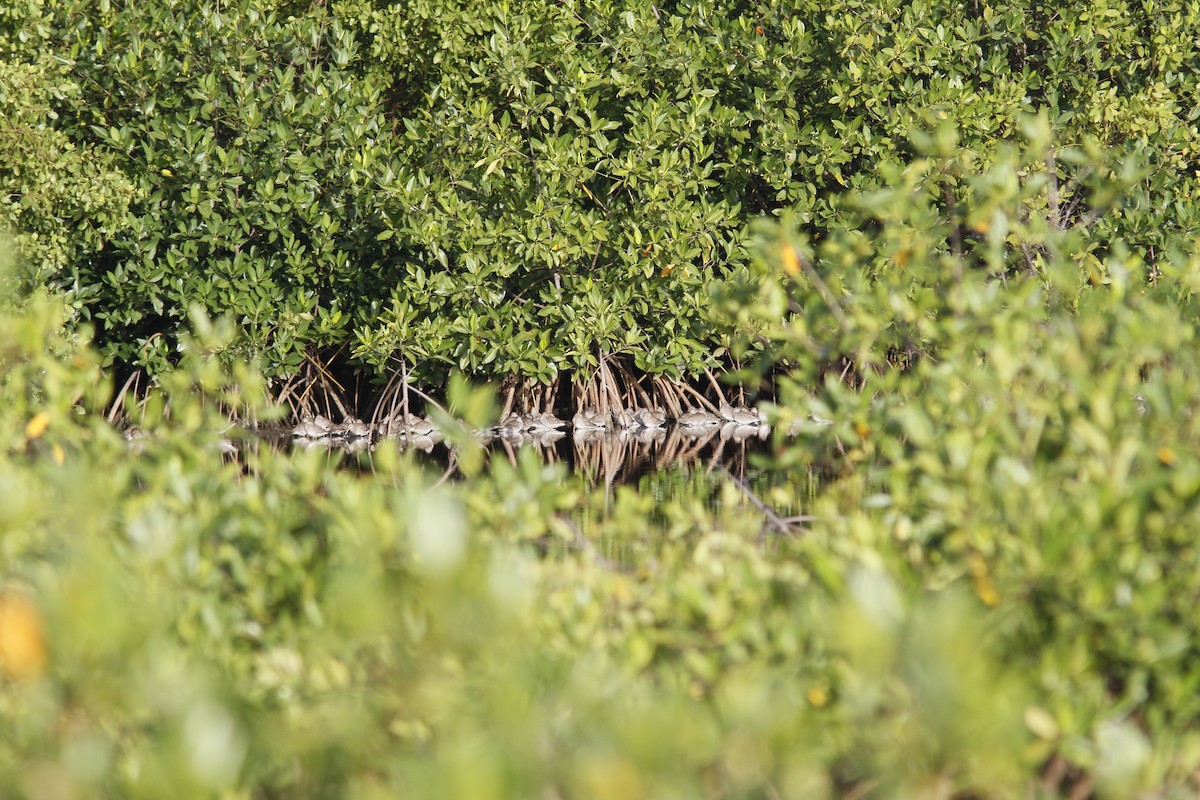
(37, 426)
(986, 591)
(22, 639)
(981, 578)
(791, 260)
(58, 454)
(1166, 455)
(817, 697)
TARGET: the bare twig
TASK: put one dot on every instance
(782, 525)
(119, 400)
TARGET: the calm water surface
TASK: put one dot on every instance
(670, 466)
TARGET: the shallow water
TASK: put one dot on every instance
(604, 457)
(672, 469)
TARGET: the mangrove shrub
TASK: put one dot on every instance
(524, 191)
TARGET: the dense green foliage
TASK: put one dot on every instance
(65, 199)
(612, 155)
(254, 147)
(523, 190)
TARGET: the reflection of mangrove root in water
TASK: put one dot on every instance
(612, 448)
(612, 458)
(615, 446)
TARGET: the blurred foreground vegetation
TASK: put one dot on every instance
(995, 597)
(976, 295)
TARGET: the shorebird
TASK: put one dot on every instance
(591, 420)
(544, 422)
(510, 427)
(650, 417)
(408, 425)
(353, 428)
(695, 418)
(741, 416)
(635, 419)
(315, 428)
(624, 419)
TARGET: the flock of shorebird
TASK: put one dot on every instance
(735, 422)
(542, 428)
